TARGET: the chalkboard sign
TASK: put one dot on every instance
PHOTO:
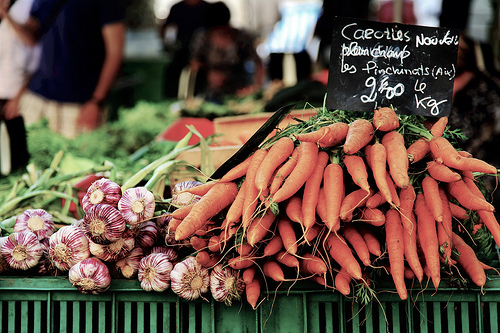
(373, 64)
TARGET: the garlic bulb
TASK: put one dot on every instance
(22, 250)
(154, 272)
(137, 205)
(129, 266)
(90, 276)
(189, 280)
(170, 252)
(4, 265)
(180, 198)
(116, 250)
(102, 191)
(225, 284)
(67, 246)
(37, 221)
(103, 224)
(145, 234)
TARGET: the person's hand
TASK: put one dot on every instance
(90, 116)
(11, 109)
(4, 7)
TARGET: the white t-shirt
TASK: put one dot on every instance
(17, 60)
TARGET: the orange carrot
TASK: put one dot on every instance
(312, 233)
(437, 129)
(273, 270)
(343, 282)
(444, 152)
(173, 224)
(321, 206)
(444, 229)
(469, 262)
(377, 157)
(458, 212)
(441, 172)
(277, 154)
(373, 216)
(293, 208)
(360, 133)
(427, 236)
(351, 201)
(200, 189)
(241, 262)
(236, 209)
(283, 172)
(260, 227)
(198, 243)
(466, 198)
(311, 191)
(287, 259)
(237, 172)
(395, 249)
(314, 136)
(430, 188)
(353, 237)
(214, 244)
(375, 200)
(308, 156)
(249, 274)
(287, 233)
(217, 198)
(181, 212)
(274, 245)
(342, 254)
(252, 291)
(206, 260)
(251, 191)
(385, 119)
(371, 240)
(356, 167)
(244, 249)
(397, 158)
(410, 248)
(336, 134)
(418, 150)
(311, 264)
(407, 198)
(333, 187)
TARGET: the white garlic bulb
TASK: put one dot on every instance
(154, 272)
(38, 221)
(90, 276)
(137, 205)
(102, 191)
(22, 250)
(103, 224)
(226, 284)
(67, 246)
(189, 280)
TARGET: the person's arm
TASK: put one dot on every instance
(28, 32)
(114, 40)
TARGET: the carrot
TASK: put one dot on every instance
(277, 154)
(206, 260)
(237, 172)
(395, 249)
(311, 264)
(273, 270)
(342, 254)
(343, 282)
(283, 172)
(200, 189)
(249, 274)
(312, 233)
(373, 216)
(441, 172)
(458, 212)
(360, 133)
(214, 244)
(375, 200)
(198, 243)
(244, 249)
(173, 224)
(407, 198)
(321, 206)
(293, 208)
(251, 195)
(236, 208)
(466, 198)
(311, 191)
(259, 227)
(353, 237)
(287, 233)
(241, 262)
(353, 200)
(410, 248)
(371, 240)
(333, 187)
(430, 189)
(444, 229)
(356, 167)
(287, 259)
(274, 245)
(377, 157)
(409, 274)
(252, 292)
(397, 158)
(217, 198)
(181, 212)
(468, 261)
(306, 160)
(418, 150)
(427, 236)
(437, 129)
(444, 152)
(336, 134)
(385, 119)
(314, 136)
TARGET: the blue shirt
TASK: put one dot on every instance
(72, 46)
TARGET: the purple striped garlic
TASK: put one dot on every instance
(114, 251)
(22, 250)
(4, 265)
(180, 198)
(90, 276)
(102, 191)
(103, 224)
(189, 280)
(129, 266)
(137, 205)
(154, 272)
(67, 246)
(226, 284)
(170, 252)
(145, 234)
(37, 221)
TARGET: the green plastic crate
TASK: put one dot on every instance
(51, 304)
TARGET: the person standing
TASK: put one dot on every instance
(82, 49)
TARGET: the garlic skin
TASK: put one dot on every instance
(225, 284)
(137, 205)
(170, 252)
(129, 266)
(145, 234)
(67, 246)
(37, 221)
(102, 191)
(179, 198)
(189, 280)
(4, 265)
(154, 272)
(103, 224)
(22, 250)
(90, 276)
(114, 251)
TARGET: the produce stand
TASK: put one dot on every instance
(52, 304)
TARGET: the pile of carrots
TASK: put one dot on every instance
(334, 200)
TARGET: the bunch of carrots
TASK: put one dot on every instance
(332, 201)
